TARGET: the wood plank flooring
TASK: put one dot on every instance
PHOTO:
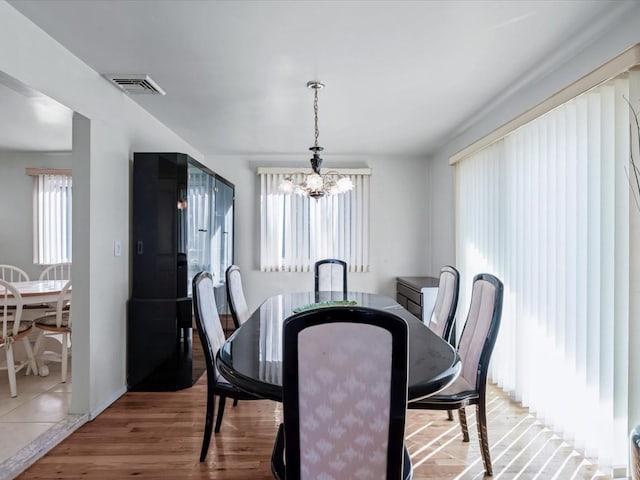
(158, 436)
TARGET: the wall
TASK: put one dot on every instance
(16, 189)
(397, 238)
(108, 128)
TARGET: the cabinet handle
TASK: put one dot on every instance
(139, 247)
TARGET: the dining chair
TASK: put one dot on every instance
(57, 322)
(443, 315)
(330, 275)
(344, 396)
(11, 273)
(476, 345)
(235, 296)
(212, 337)
(57, 271)
(14, 328)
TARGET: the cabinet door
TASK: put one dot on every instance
(223, 228)
(200, 206)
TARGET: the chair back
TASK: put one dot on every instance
(63, 304)
(444, 310)
(330, 276)
(481, 330)
(10, 309)
(235, 296)
(58, 271)
(207, 320)
(11, 273)
(344, 393)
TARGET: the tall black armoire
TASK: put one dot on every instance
(182, 224)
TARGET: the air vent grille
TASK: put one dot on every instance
(135, 84)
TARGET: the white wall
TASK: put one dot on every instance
(398, 234)
(111, 127)
(16, 190)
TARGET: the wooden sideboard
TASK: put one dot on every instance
(409, 292)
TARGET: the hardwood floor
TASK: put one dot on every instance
(158, 436)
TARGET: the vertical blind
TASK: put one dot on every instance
(52, 219)
(296, 231)
(546, 210)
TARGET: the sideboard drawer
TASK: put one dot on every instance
(409, 293)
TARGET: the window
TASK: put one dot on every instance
(296, 231)
(546, 209)
(51, 216)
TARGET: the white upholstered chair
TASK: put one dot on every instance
(235, 296)
(56, 322)
(211, 337)
(330, 275)
(344, 396)
(14, 329)
(476, 345)
(443, 315)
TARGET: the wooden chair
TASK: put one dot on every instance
(11, 273)
(14, 328)
(235, 296)
(57, 271)
(330, 275)
(344, 396)
(476, 345)
(57, 322)
(443, 315)
(212, 337)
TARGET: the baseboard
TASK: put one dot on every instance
(30, 454)
(102, 407)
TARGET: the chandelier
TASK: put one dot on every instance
(316, 184)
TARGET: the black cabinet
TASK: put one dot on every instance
(181, 225)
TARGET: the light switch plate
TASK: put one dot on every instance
(117, 248)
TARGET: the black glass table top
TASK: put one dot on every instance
(251, 358)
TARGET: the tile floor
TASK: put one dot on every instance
(42, 403)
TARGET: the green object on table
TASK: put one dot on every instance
(328, 303)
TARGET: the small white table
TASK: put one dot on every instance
(38, 292)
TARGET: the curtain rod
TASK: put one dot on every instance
(34, 172)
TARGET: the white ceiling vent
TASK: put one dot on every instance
(135, 84)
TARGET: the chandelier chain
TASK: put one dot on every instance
(315, 113)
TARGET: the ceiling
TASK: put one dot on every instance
(401, 77)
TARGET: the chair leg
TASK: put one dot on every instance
(235, 402)
(65, 356)
(481, 415)
(462, 415)
(223, 398)
(450, 415)
(11, 370)
(277, 455)
(208, 425)
(30, 356)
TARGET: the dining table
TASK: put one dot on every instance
(36, 292)
(251, 358)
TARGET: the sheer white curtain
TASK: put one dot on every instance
(546, 210)
(52, 219)
(296, 231)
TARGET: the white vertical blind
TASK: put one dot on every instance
(52, 219)
(296, 231)
(546, 210)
